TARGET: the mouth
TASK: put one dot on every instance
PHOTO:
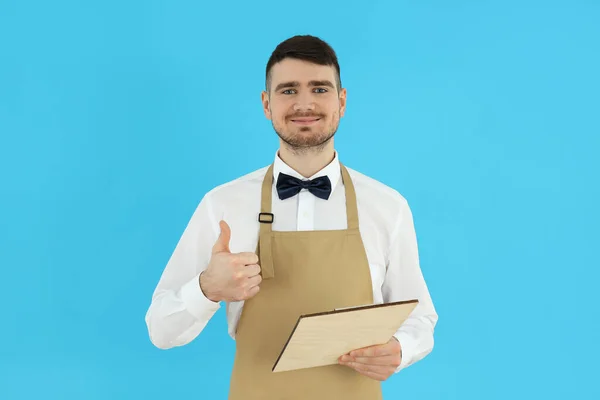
(305, 120)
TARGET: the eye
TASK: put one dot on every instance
(323, 90)
(287, 91)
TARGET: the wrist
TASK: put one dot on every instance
(205, 288)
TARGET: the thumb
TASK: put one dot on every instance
(222, 243)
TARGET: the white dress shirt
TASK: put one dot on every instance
(179, 310)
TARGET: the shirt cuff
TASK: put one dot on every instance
(406, 344)
(196, 302)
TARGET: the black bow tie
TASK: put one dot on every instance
(289, 186)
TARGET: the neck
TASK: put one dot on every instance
(307, 162)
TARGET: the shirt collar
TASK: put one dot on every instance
(332, 170)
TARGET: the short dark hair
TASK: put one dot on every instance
(307, 48)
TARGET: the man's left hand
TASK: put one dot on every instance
(377, 362)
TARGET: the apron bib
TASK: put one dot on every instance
(303, 272)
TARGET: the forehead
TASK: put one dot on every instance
(303, 71)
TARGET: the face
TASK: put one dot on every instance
(303, 103)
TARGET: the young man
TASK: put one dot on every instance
(305, 234)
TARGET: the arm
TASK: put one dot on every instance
(404, 281)
(179, 310)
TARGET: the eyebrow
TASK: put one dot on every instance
(311, 83)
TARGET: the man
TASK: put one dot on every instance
(305, 234)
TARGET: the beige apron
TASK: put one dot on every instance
(303, 272)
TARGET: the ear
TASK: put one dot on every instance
(342, 102)
(265, 103)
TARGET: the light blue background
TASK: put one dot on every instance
(116, 117)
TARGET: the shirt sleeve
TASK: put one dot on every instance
(404, 281)
(179, 310)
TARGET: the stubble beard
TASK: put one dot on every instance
(307, 140)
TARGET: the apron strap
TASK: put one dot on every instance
(351, 203)
(266, 221)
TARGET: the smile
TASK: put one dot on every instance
(306, 121)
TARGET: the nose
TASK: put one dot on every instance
(304, 102)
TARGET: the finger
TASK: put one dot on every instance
(375, 351)
(376, 373)
(383, 360)
(254, 281)
(246, 258)
(247, 271)
(222, 243)
(253, 291)
(252, 270)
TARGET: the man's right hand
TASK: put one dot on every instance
(230, 277)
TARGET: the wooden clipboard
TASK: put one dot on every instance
(321, 338)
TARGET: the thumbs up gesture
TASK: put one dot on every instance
(229, 276)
